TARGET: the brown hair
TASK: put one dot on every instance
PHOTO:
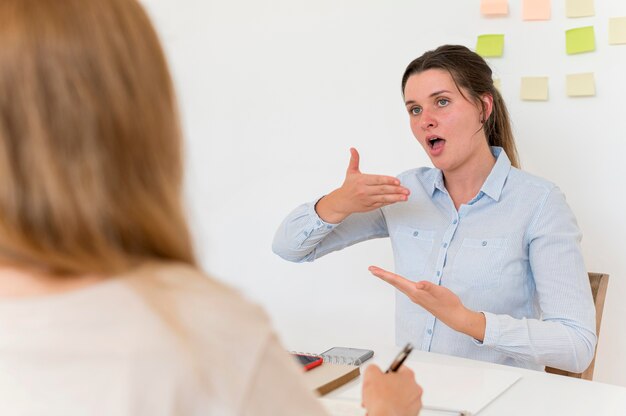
(90, 144)
(470, 72)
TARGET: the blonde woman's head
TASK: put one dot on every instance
(90, 146)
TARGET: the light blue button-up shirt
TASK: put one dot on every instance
(512, 252)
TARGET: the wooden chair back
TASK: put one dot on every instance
(599, 283)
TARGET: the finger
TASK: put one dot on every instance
(384, 201)
(381, 200)
(353, 166)
(404, 285)
(372, 370)
(389, 189)
(381, 180)
(426, 286)
(405, 371)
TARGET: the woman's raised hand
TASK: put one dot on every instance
(360, 192)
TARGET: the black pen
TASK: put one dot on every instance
(397, 362)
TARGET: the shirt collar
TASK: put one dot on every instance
(434, 180)
(492, 186)
(500, 171)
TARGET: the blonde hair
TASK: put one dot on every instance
(90, 144)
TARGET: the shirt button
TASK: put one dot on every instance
(306, 233)
(484, 243)
(438, 274)
(430, 332)
(454, 222)
(329, 226)
(319, 222)
(415, 233)
(445, 245)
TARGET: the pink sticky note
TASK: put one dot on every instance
(536, 9)
(494, 7)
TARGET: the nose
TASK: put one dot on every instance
(427, 121)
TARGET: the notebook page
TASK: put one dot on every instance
(350, 407)
(452, 387)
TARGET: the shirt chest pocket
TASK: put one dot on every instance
(411, 250)
(479, 262)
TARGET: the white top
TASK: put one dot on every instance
(163, 340)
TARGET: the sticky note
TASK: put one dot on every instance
(536, 9)
(581, 85)
(494, 7)
(534, 88)
(580, 39)
(617, 30)
(579, 8)
(490, 45)
(498, 84)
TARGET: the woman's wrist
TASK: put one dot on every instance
(325, 209)
(475, 325)
(381, 409)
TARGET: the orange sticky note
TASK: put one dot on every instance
(494, 7)
(536, 9)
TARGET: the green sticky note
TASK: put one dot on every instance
(580, 39)
(490, 45)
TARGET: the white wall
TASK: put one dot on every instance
(273, 93)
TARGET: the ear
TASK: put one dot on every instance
(486, 103)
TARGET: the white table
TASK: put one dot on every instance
(535, 394)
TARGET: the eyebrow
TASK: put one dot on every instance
(431, 95)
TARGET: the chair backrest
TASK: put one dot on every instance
(599, 283)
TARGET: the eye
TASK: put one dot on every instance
(415, 110)
(442, 102)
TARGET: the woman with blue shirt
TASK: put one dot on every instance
(487, 256)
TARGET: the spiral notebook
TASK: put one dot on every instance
(343, 355)
(341, 364)
(346, 355)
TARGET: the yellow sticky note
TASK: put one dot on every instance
(536, 9)
(494, 7)
(581, 85)
(490, 45)
(617, 30)
(534, 88)
(579, 40)
(579, 8)
(498, 84)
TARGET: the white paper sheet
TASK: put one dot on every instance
(452, 387)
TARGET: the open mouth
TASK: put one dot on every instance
(435, 142)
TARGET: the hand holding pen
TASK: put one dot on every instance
(397, 362)
(395, 366)
(393, 392)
